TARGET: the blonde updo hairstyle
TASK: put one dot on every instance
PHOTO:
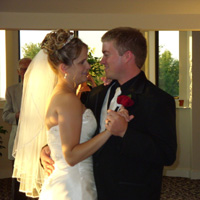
(61, 49)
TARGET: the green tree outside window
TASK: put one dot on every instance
(168, 78)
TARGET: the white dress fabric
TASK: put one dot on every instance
(67, 182)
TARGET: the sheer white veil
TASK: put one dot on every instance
(39, 82)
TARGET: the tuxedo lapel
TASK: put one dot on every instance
(95, 101)
(99, 103)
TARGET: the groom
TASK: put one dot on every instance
(130, 167)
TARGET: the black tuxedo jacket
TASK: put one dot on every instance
(130, 168)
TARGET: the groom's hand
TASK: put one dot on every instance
(117, 123)
(106, 81)
(46, 160)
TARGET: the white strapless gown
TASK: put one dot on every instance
(66, 182)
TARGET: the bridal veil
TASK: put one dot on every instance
(38, 85)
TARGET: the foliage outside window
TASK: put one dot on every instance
(30, 50)
(97, 70)
(168, 79)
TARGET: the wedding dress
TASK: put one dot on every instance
(67, 182)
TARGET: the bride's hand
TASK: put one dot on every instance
(106, 81)
(46, 161)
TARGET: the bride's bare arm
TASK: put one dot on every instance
(70, 112)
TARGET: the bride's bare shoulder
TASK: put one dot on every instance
(67, 100)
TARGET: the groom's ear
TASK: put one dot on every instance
(127, 56)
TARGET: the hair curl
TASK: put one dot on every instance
(61, 49)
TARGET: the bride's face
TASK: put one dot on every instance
(80, 67)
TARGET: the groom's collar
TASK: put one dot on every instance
(135, 84)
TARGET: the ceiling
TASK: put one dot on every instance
(102, 6)
(100, 14)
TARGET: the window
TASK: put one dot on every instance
(30, 40)
(28, 37)
(174, 65)
(2, 64)
(93, 40)
(168, 68)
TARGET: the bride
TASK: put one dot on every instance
(66, 123)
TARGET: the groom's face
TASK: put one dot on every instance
(112, 61)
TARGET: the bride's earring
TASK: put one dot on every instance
(65, 76)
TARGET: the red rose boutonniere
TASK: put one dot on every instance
(124, 100)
